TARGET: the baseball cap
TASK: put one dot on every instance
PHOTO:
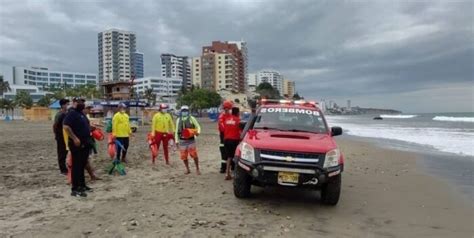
(77, 99)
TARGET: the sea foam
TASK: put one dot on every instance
(398, 116)
(443, 139)
(453, 119)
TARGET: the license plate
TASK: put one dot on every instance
(288, 177)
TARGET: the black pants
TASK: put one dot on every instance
(222, 150)
(62, 154)
(124, 142)
(230, 147)
(79, 161)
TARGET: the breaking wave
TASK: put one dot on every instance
(398, 116)
(454, 119)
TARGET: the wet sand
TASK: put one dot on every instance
(384, 194)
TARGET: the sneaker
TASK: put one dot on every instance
(78, 194)
(88, 189)
(63, 173)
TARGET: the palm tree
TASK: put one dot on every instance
(150, 96)
(6, 104)
(23, 99)
(4, 86)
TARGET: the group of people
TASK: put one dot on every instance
(72, 130)
(73, 133)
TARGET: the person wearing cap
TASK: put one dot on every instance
(162, 128)
(185, 136)
(122, 131)
(59, 135)
(78, 131)
(226, 107)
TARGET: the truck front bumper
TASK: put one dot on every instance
(269, 173)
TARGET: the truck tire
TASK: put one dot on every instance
(331, 191)
(242, 183)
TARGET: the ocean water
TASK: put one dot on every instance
(444, 132)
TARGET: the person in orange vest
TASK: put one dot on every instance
(162, 128)
(226, 106)
(188, 129)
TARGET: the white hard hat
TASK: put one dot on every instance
(184, 107)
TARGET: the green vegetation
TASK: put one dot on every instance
(266, 90)
(150, 96)
(45, 101)
(23, 99)
(7, 105)
(88, 91)
(4, 86)
(198, 99)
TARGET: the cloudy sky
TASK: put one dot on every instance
(416, 56)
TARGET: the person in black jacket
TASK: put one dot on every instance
(58, 135)
(77, 127)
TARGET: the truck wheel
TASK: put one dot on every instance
(242, 183)
(331, 191)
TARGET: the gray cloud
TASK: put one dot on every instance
(365, 51)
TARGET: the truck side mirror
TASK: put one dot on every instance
(335, 131)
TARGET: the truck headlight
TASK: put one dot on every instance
(332, 158)
(247, 152)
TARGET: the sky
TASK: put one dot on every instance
(415, 56)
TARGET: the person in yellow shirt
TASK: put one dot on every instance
(162, 128)
(122, 131)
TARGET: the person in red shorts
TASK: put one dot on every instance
(187, 129)
(231, 124)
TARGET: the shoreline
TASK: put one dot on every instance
(385, 194)
(453, 168)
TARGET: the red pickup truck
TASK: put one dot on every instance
(288, 143)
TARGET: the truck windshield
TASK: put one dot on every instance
(290, 119)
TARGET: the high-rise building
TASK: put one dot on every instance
(173, 66)
(196, 71)
(138, 64)
(288, 88)
(222, 66)
(115, 55)
(43, 77)
(272, 77)
(242, 45)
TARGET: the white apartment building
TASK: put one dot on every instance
(43, 77)
(173, 66)
(115, 48)
(272, 77)
(164, 87)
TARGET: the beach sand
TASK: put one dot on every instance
(384, 194)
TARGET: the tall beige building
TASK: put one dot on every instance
(222, 66)
(288, 88)
(196, 71)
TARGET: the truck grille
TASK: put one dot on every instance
(271, 155)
